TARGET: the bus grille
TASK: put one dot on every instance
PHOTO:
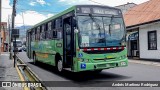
(104, 59)
(102, 51)
(101, 65)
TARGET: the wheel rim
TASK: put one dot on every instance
(60, 67)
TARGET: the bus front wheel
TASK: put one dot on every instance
(59, 66)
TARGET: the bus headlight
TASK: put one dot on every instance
(84, 60)
(123, 63)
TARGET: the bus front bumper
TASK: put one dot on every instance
(82, 66)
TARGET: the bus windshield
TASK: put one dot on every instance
(98, 31)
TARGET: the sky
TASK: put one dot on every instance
(31, 12)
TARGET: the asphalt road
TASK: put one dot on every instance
(134, 72)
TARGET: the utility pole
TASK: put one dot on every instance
(9, 32)
(13, 20)
(0, 24)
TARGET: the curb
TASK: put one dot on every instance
(145, 62)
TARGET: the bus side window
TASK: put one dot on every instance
(46, 31)
(58, 23)
(59, 32)
(41, 38)
(54, 33)
(53, 29)
(49, 30)
(35, 30)
(33, 35)
(38, 33)
(43, 32)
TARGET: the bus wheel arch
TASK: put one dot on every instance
(58, 62)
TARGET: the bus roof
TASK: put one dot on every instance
(66, 11)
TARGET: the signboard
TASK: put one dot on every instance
(15, 33)
(133, 36)
(98, 10)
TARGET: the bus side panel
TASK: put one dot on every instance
(46, 51)
(28, 45)
(51, 52)
(59, 47)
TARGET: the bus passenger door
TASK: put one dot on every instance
(68, 42)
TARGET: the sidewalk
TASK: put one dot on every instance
(7, 71)
(138, 61)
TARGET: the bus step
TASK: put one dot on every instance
(68, 69)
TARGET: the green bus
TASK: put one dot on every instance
(81, 38)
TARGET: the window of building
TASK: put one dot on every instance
(152, 40)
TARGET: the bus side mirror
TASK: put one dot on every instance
(75, 30)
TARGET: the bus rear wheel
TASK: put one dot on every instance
(34, 59)
(59, 66)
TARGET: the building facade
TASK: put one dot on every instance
(143, 30)
(150, 45)
(4, 37)
(125, 7)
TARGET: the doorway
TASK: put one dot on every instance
(68, 42)
(134, 48)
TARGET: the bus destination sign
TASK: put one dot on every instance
(105, 11)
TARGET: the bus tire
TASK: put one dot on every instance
(34, 59)
(97, 71)
(59, 65)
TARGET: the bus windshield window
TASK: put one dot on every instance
(100, 31)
